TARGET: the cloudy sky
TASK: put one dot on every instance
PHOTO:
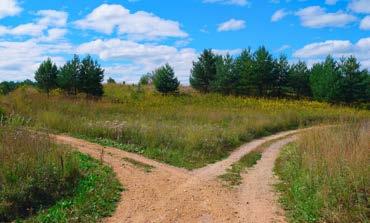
(132, 37)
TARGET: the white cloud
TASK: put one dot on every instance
(53, 35)
(317, 17)
(331, 2)
(139, 25)
(9, 8)
(365, 23)
(360, 6)
(48, 18)
(324, 48)
(279, 15)
(143, 57)
(231, 25)
(229, 2)
(52, 18)
(231, 52)
(336, 48)
(23, 58)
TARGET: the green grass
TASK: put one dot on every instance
(232, 177)
(94, 198)
(187, 130)
(147, 168)
(44, 182)
(34, 173)
(325, 176)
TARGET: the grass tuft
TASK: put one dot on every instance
(147, 168)
(232, 177)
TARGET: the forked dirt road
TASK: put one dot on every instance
(170, 194)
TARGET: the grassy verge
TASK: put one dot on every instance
(232, 177)
(325, 176)
(94, 198)
(44, 182)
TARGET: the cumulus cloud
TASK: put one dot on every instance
(9, 8)
(279, 15)
(360, 6)
(336, 48)
(317, 17)
(143, 25)
(365, 23)
(229, 2)
(48, 18)
(231, 25)
(23, 58)
(143, 57)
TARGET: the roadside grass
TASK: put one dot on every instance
(232, 177)
(188, 130)
(145, 167)
(44, 182)
(94, 198)
(325, 175)
(34, 173)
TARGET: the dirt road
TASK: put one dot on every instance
(170, 194)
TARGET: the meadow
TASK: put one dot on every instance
(187, 129)
(326, 175)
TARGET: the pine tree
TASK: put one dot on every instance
(164, 80)
(91, 77)
(263, 66)
(325, 81)
(226, 77)
(280, 76)
(355, 82)
(111, 81)
(68, 75)
(46, 76)
(203, 72)
(298, 80)
(244, 72)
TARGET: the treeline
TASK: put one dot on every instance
(259, 74)
(8, 86)
(76, 76)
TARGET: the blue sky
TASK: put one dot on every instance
(132, 37)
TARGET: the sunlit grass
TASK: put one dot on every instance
(186, 130)
(326, 175)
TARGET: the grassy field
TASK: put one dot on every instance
(44, 182)
(326, 175)
(187, 130)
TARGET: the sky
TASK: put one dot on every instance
(132, 37)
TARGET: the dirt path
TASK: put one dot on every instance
(170, 194)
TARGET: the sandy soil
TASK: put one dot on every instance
(170, 194)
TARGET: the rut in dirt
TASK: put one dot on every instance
(171, 194)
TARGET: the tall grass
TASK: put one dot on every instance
(326, 175)
(188, 130)
(34, 173)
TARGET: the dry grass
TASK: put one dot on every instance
(326, 175)
(187, 130)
